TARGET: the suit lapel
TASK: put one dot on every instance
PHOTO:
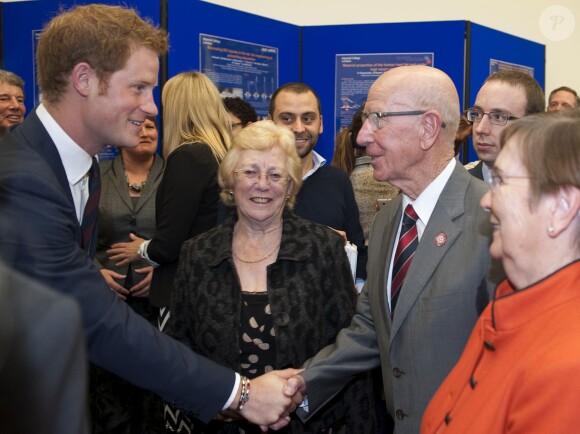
(120, 184)
(429, 254)
(36, 137)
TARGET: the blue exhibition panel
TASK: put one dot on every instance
(489, 44)
(188, 19)
(321, 45)
(462, 49)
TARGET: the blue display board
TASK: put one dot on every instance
(321, 45)
(188, 19)
(309, 54)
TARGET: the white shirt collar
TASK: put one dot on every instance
(425, 203)
(318, 161)
(76, 160)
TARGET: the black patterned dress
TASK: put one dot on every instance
(257, 343)
(257, 335)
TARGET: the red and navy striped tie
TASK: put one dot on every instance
(89, 222)
(406, 247)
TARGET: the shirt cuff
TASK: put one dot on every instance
(234, 392)
(142, 251)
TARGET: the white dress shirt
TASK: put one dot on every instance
(318, 161)
(75, 160)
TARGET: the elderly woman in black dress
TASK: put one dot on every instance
(267, 289)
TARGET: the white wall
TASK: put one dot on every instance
(523, 18)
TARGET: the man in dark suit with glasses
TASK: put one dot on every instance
(504, 96)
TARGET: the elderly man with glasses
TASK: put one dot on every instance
(427, 275)
(504, 96)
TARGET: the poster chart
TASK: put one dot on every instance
(498, 65)
(355, 73)
(242, 69)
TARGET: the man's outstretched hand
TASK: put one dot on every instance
(271, 400)
(295, 387)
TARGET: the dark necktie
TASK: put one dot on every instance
(89, 222)
(406, 247)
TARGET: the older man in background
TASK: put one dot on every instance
(562, 98)
(12, 108)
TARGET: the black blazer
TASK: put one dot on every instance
(40, 235)
(186, 206)
(477, 170)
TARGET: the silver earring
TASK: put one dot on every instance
(550, 230)
(231, 192)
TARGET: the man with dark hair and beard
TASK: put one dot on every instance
(326, 196)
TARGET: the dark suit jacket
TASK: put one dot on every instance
(186, 204)
(41, 238)
(477, 170)
(43, 372)
(117, 216)
(441, 298)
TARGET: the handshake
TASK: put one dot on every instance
(268, 400)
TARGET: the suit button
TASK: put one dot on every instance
(472, 382)
(282, 319)
(399, 414)
(397, 372)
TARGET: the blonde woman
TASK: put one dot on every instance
(196, 137)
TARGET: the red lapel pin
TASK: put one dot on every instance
(440, 239)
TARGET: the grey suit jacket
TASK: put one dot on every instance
(441, 298)
(117, 216)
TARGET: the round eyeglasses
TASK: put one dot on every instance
(272, 178)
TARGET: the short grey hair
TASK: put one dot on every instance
(11, 78)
